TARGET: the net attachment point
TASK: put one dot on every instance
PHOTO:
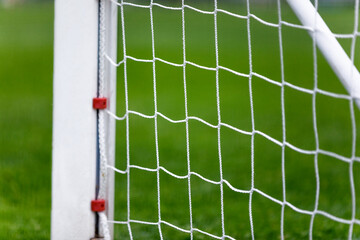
(98, 205)
(99, 103)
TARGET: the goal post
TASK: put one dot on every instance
(75, 123)
(85, 67)
(335, 55)
(74, 120)
(108, 18)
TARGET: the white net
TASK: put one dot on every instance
(230, 124)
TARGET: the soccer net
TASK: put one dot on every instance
(231, 121)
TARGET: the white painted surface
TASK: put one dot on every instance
(329, 46)
(74, 120)
(111, 18)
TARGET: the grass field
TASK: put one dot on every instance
(25, 120)
(26, 40)
(333, 120)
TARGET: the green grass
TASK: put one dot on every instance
(333, 118)
(26, 35)
(25, 121)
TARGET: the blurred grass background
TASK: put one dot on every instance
(333, 120)
(26, 43)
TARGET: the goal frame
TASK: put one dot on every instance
(75, 122)
(329, 46)
(75, 158)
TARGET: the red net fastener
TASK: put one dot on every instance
(99, 103)
(98, 205)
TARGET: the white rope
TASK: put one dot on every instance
(103, 224)
(104, 228)
(155, 119)
(219, 121)
(317, 175)
(282, 121)
(353, 125)
(127, 119)
(186, 117)
(252, 119)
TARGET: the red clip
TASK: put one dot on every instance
(99, 103)
(98, 205)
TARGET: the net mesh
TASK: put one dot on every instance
(239, 210)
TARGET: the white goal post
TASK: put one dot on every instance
(74, 120)
(331, 49)
(85, 47)
(75, 137)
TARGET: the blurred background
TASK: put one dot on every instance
(26, 68)
(26, 65)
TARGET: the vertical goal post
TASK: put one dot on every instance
(75, 155)
(74, 120)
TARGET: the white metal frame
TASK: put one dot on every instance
(331, 49)
(74, 119)
(111, 18)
